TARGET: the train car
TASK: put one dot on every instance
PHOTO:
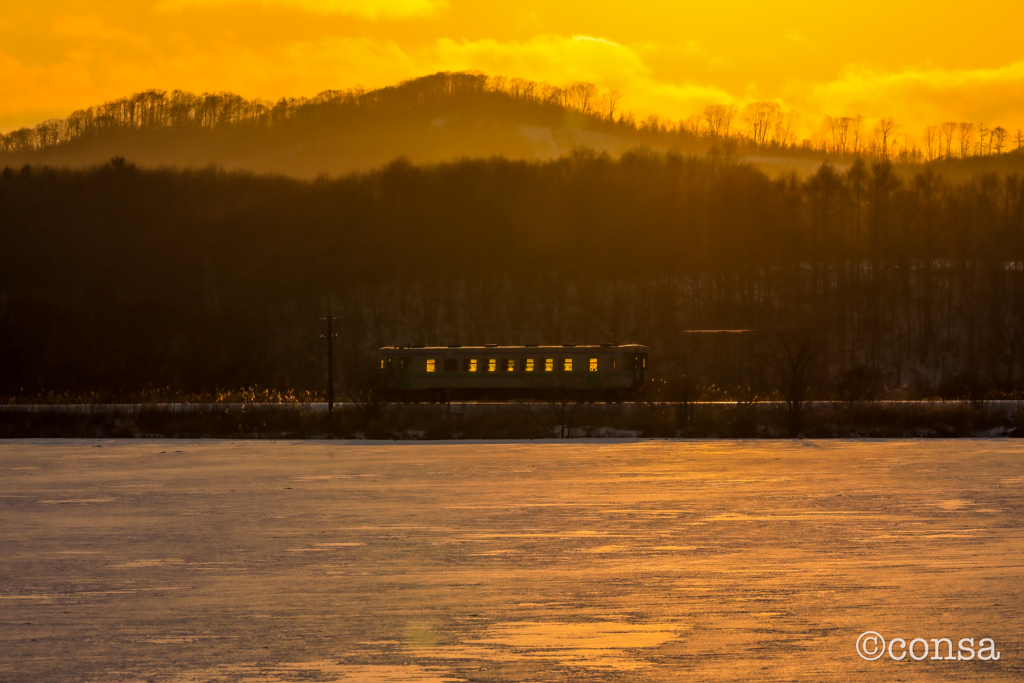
(439, 374)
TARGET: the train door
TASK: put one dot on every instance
(637, 363)
(405, 372)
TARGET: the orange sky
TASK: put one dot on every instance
(919, 62)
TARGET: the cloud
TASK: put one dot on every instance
(562, 60)
(31, 94)
(92, 28)
(920, 97)
(367, 9)
(558, 59)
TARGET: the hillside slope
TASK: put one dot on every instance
(431, 119)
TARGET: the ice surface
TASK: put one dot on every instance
(546, 561)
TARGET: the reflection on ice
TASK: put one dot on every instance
(603, 644)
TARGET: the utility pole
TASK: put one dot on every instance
(330, 363)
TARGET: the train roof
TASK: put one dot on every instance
(529, 347)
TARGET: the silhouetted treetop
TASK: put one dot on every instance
(457, 114)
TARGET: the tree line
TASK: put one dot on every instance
(180, 110)
(757, 127)
(119, 278)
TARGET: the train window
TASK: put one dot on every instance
(381, 363)
(389, 363)
(593, 365)
(492, 364)
(404, 363)
(567, 364)
(529, 365)
(431, 364)
(613, 363)
(549, 364)
(451, 365)
(469, 365)
(643, 362)
(510, 364)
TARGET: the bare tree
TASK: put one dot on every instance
(521, 89)
(651, 124)
(718, 118)
(48, 132)
(691, 125)
(906, 151)
(612, 100)
(790, 355)
(855, 123)
(760, 119)
(23, 140)
(998, 139)
(581, 96)
(932, 142)
(831, 124)
(885, 133)
(497, 84)
(982, 135)
(839, 132)
(549, 93)
(965, 135)
(785, 124)
(947, 131)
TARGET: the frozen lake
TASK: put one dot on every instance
(166, 560)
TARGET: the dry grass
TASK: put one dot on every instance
(511, 421)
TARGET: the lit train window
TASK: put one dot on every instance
(451, 365)
(381, 363)
(469, 365)
(510, 364)
(492, 364)
(549, 364)
(430, 364)
(593, 365)
(567, 365)
(529, 365)
(613, 363)
(404, 362)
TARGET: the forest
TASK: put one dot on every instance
(864, 281)
(450, 115)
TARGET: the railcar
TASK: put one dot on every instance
(439, 374)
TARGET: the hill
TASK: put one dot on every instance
(429, 119)
(449, 116)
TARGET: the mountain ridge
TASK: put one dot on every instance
(432, 119)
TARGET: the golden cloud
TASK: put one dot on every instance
(92, 28)
(32, 93)
(558, 59)
(367, 9)
(561, 60)
(921, 97)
